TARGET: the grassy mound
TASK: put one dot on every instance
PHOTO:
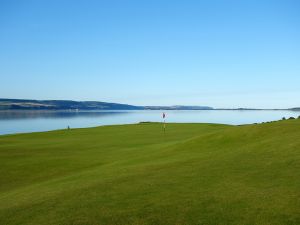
(136, 174)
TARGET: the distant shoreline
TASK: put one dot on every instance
(69, 105)
(91, 110)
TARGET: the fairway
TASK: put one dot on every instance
(135, 174)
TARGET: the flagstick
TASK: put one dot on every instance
(164, 122)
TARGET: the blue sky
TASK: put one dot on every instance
(158, 52)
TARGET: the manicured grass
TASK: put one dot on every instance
(136, 174)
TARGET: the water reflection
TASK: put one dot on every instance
(30, 114)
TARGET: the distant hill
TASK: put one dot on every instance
(295, 109)
(178, 107)
(27, 104)
(22, 104)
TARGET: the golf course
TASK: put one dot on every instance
(191, 174)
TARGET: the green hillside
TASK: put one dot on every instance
(136, 174)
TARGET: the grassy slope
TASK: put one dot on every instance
(133, 174)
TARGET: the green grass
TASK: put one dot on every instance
(134, 174)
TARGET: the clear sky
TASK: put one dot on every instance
(152, 52)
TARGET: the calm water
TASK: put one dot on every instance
(31, 121)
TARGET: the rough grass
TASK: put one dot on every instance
(136, 174)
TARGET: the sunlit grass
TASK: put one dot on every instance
(136, 174)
